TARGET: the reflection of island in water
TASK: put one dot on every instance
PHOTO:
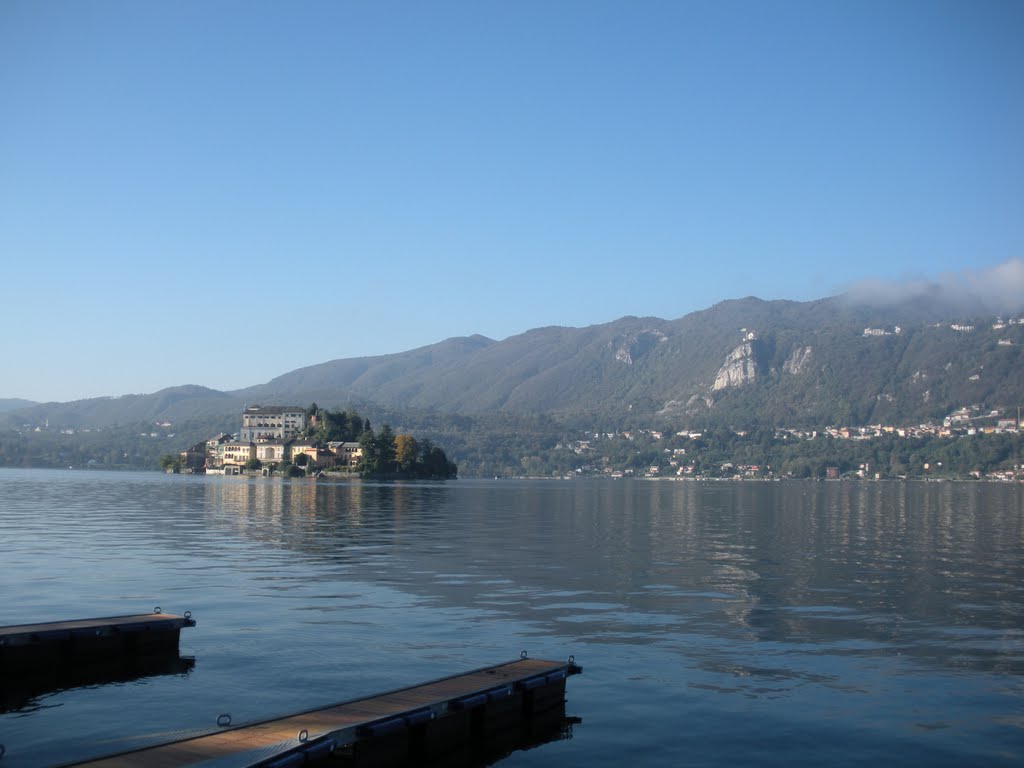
(22, 693)
(851, 565)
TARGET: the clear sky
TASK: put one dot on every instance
(216, 192)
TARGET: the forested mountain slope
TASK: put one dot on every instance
(805, 363)
(742, 362)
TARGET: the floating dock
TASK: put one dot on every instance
(455, 720)
(24, 648)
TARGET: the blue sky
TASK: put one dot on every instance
(216, 192)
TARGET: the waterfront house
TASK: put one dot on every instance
(348, 454)
(273, 451)
(238, 452)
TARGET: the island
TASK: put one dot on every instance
(296, 442)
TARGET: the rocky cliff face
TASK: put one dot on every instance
(740, 368)
(798, 361)
(636, 346)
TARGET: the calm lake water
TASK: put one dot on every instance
(716, 623)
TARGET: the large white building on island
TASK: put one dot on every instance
(263, 423)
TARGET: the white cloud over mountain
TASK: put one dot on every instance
(996, 289)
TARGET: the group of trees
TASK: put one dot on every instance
(385, 454)
(328, 426)
(132, 447)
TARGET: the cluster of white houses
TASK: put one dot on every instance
(269, 434)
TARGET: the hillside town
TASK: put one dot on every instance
(997, 325)
(270, 436)
(683, 454)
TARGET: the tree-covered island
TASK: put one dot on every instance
(296, 442)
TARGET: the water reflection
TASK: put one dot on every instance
(915, 569)
(23, 694)
(893, 605)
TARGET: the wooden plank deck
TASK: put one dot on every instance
(455, 704)
(21, 634)
(26, 647)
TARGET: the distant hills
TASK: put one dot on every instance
(14, 404)
(742, 362)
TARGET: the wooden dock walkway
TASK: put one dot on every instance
(414, 725)
(26, 647)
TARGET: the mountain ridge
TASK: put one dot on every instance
(803, 363)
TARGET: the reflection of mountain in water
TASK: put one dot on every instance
(851, 568)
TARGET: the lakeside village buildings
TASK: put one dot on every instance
(269, 434)
(966, 421)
